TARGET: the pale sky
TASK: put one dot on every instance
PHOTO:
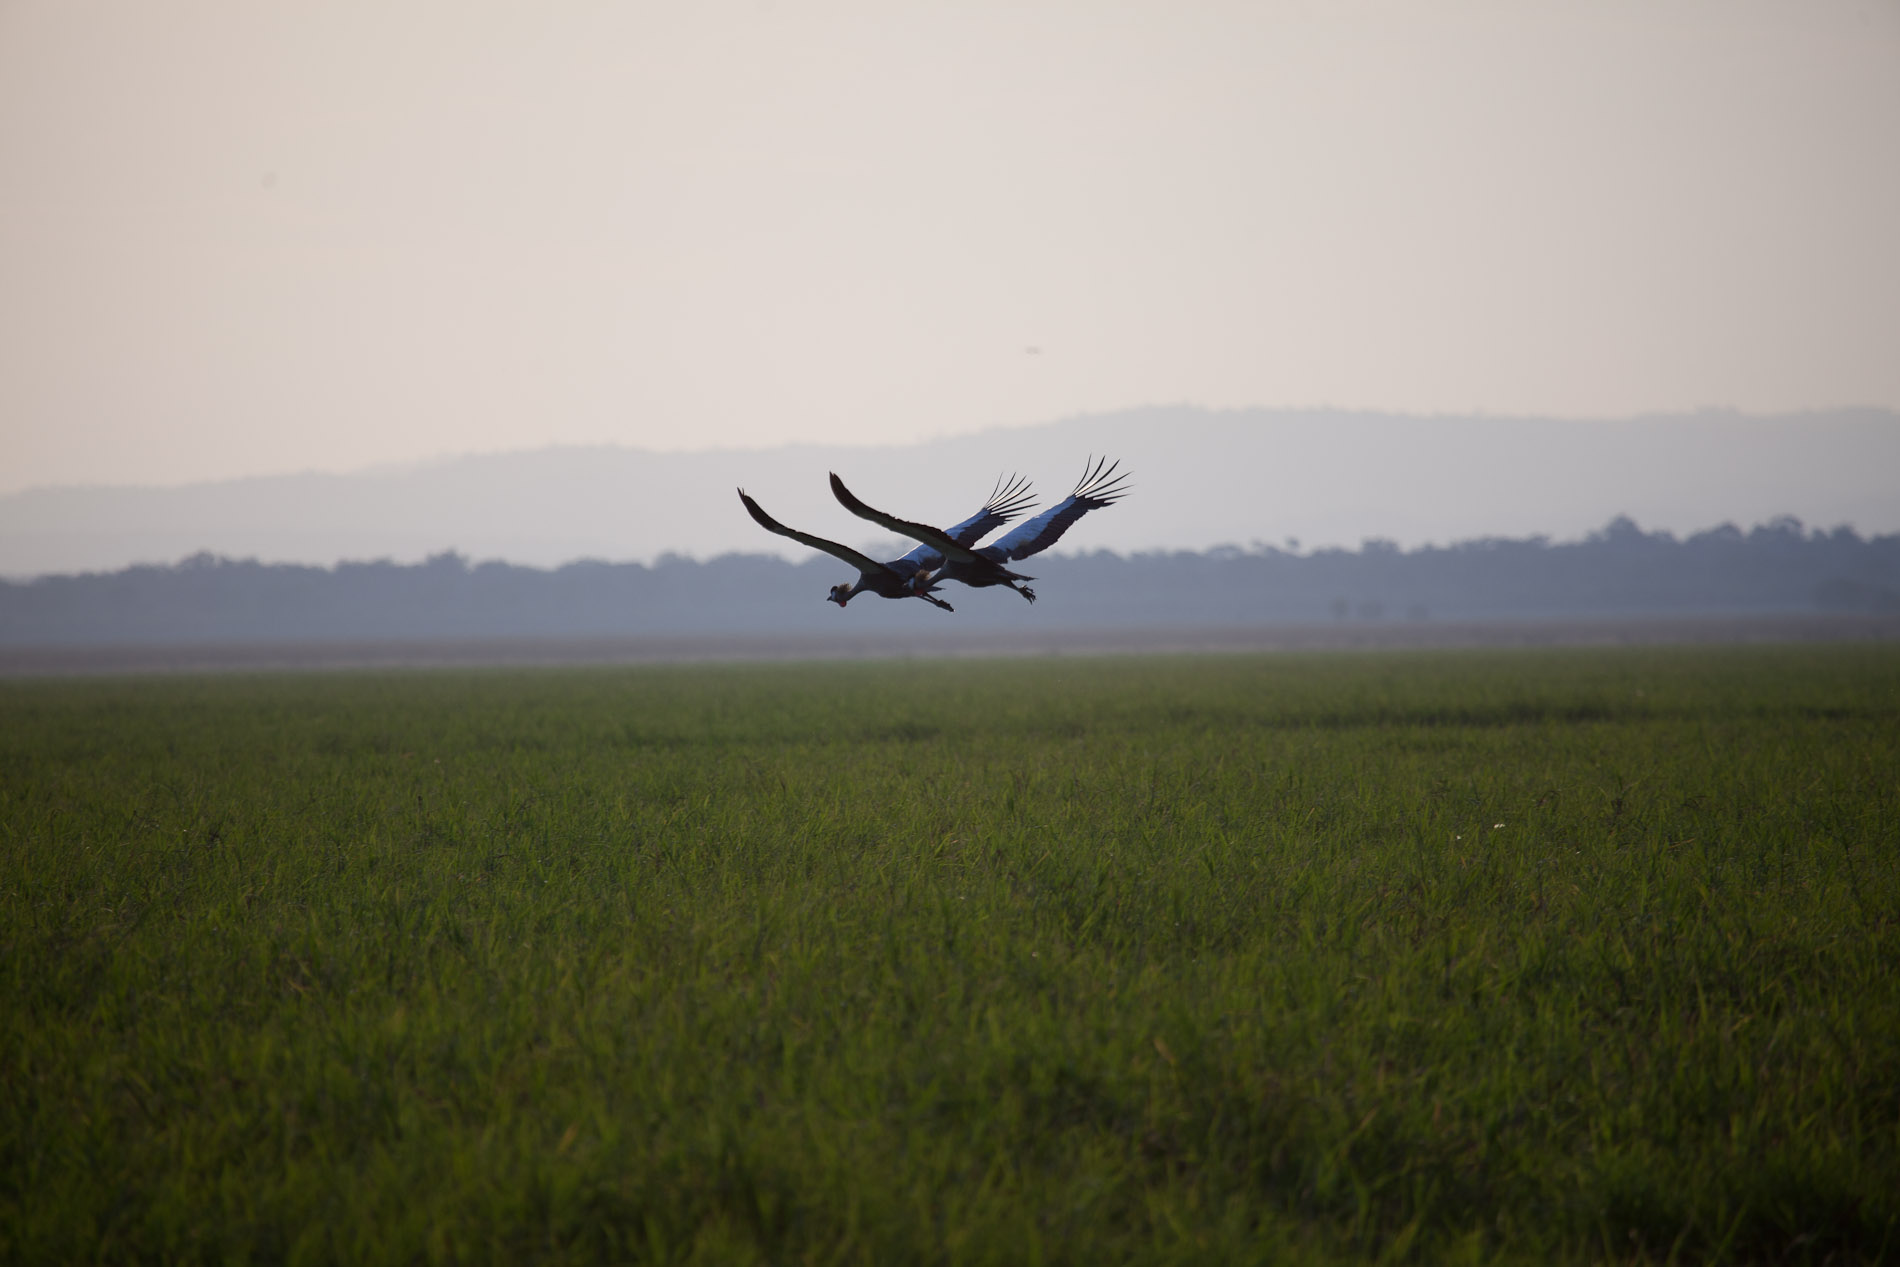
(240, 239)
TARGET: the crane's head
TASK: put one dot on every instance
(840, 594)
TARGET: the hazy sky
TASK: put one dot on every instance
(239, 238)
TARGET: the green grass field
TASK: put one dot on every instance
(1522, 956)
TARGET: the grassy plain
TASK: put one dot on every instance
(1567, 955)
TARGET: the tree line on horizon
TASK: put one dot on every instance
(1619, 571)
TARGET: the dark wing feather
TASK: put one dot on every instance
(1005, 503)
(1096, 489)
(935, 538)
(862, 562)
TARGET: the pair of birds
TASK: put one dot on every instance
(953, 555)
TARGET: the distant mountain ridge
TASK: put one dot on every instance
(1201, 478)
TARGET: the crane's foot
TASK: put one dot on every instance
(1026, 592)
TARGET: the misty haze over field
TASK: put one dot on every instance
(1201, 479)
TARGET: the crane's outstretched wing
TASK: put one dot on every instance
(935, 538)
(1096, 489)
(1005, 503)
(862, 562)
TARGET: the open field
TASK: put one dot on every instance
(857, 643)
(1453, 955)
